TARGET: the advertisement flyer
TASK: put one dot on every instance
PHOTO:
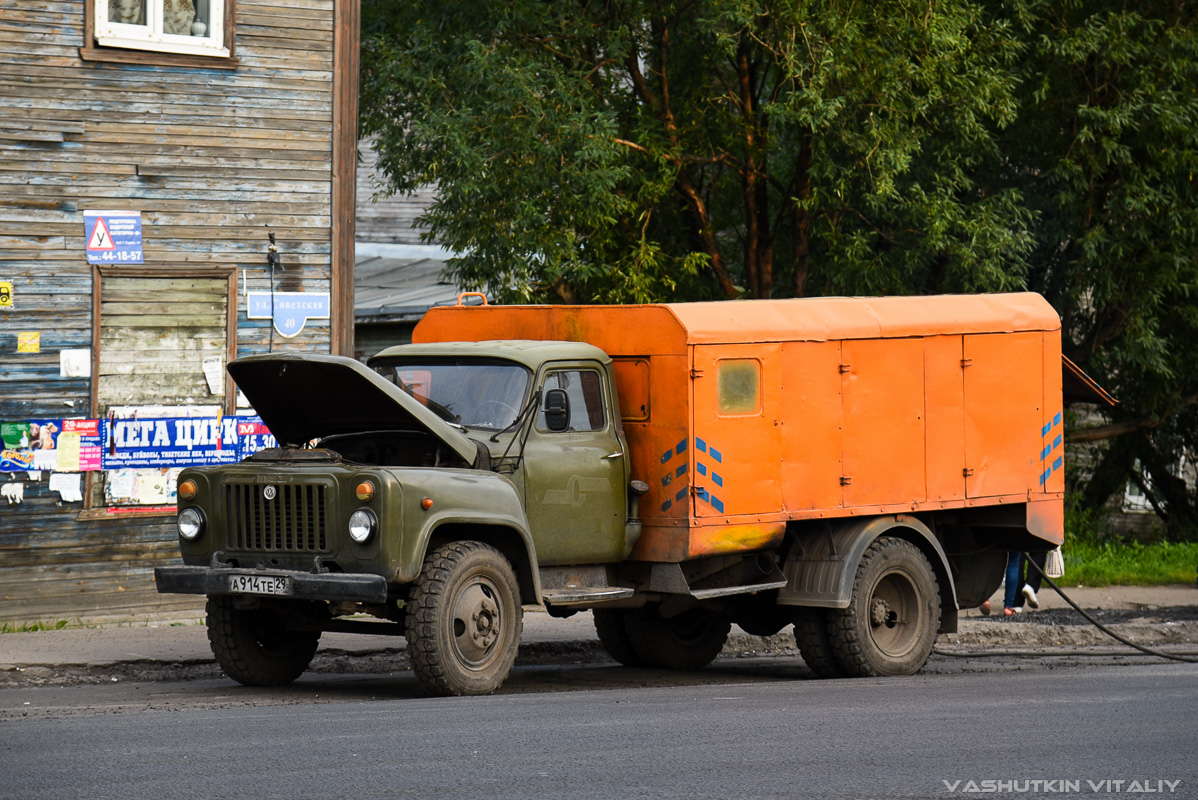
(70, 445)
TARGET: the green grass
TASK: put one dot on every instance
(33, 627)
(1116, 563)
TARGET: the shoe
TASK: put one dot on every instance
(985, 608)
(1029, 594)
(1009, 612)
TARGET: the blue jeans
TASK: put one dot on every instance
(1014, 580)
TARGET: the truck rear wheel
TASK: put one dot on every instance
(254, 646)
(613, 635)
(688, 640)
(464, 620)
(815, 645)
(890, 624)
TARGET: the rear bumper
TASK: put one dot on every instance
(352, 587)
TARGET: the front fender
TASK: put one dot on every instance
(467, 504)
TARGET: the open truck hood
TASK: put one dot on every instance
(303, 396)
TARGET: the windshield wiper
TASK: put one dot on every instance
(533, 402)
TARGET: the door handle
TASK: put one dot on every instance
(616, 454)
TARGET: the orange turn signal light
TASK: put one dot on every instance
(365, 491)
(426, 503)
(187, 490)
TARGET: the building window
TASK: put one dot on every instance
(739, 386)
(185, 27)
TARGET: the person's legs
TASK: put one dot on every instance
(1014, 582)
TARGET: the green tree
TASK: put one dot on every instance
(647, 151)
(1104, 152)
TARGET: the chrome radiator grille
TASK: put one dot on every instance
(292, 522)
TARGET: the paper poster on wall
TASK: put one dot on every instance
(5, 294)
(253, 436)
(168, 442)
(39, 444)
(29, 342)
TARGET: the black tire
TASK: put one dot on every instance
(464, 620)
(815, 645)
(613, 635)
(890, 625)
(689, 640)
(254, 646)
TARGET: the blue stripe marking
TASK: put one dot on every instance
(681, 494)
(1044, 477)
(680, 448)
(666, 479)
(678, 473)
(702, 468)
(700, 445)
(1056, 420)
(1057, 464)
(719, 506)
(666, 456)
(716, 455)
(1056, 442)
(1044, 453)
(718, 480)
(666, 505)
(1044, 431)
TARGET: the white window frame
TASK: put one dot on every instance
(151, 36)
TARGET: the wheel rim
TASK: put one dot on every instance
(689, 627)
(477, 623)
(893, 613)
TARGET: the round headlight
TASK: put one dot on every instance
(190, 523)
(362, 525)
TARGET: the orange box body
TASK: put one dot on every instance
(743, 416)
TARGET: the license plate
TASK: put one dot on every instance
(260, 584)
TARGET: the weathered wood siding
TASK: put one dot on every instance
(213, 159)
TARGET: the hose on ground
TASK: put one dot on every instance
(1095, 623)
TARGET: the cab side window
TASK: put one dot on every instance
(584, 388)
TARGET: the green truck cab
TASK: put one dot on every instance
(433, 489)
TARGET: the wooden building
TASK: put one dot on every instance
(213, 124)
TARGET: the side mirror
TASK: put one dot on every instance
(557, 410)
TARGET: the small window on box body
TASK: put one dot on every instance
(739, 386)
(190, 27)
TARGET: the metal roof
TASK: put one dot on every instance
(392, 289)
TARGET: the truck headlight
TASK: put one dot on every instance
(362, 525)
(190, 523)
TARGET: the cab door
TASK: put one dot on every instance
(575, 479)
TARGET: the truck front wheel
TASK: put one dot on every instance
(464, 620)
(890, 624)
(254, 646)
(688, 640)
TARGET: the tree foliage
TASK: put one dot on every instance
(705, 149)
(644, 150)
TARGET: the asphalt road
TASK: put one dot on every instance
(753, 728)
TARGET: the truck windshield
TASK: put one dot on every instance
(475, 393)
